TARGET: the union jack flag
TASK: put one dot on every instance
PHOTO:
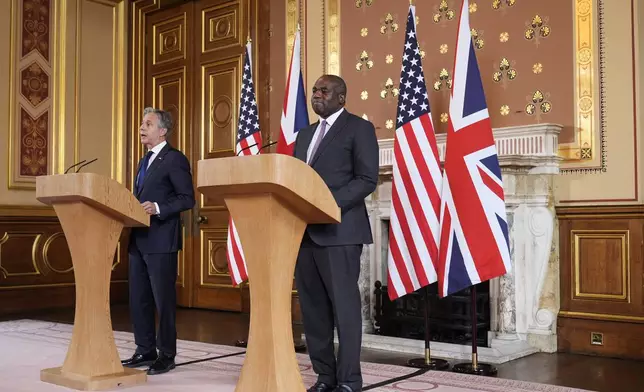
(249, 139)
(294, 113)
(414, 222)
(474, 243)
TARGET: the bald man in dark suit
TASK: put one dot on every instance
(343, 149)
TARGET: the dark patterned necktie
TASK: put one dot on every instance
(144, 168)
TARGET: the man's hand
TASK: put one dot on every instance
(149, 207)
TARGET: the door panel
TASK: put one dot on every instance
(221, 33)
(168, 87)
(193, 62)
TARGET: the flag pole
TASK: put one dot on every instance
(474, 367)
(427, 362)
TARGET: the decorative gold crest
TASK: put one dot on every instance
(479, 42)
(538, 105)
(359, 3)
(365, 62)
(443, 81)
(444, 12)
(389, 90)
(389, 25)
(506, 72)
(537, 29)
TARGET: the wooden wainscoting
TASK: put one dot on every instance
(36, 269)
(602, 306)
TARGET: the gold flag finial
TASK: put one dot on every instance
(248, 39)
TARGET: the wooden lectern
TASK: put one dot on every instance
(271, 198)
(92, 210)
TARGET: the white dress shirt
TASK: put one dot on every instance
(155, 152)
(329, 123)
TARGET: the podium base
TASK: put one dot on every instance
(481, 369)
(433, 364)
(128, 378)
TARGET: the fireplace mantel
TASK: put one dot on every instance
(524, 302)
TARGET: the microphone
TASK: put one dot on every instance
(253, 145)
(268, 145)
(74, 165)
(82, 166)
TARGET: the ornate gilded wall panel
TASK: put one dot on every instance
(601, 265)
(35, 254)
(170, 95)
(220, 99)
(170, 40)
(220, 27)
(30, 72)
(214, 266)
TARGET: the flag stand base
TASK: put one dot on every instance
(432, 364)
(476, 368)
(427, 362)
(481, 369)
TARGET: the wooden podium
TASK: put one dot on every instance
(92, 210)
(271, 198)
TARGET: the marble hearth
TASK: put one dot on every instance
(524, 303)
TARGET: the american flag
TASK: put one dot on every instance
(248, 134)
(474, 243)
(414, 223)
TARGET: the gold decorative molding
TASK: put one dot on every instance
(600, 316)
(583, 153)
(159, 102)
(165, 52)
(332, 31)
(45, 251)
(219, 235)
(623, 236)
(7, 236)
(140, 9)
(58, 106)
(181, 275)
(24, 210)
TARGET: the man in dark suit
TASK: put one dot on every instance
(164, 187)
(343, 149)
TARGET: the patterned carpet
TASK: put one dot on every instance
(36, 345)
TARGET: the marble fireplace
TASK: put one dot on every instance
(524, 303)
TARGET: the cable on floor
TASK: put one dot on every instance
(210, 359)
(393, 380)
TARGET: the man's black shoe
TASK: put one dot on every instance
(321, 387)
(163, 364)
(138, 360)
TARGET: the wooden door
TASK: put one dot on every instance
(221, 35)
(194, 56)
(169, 86)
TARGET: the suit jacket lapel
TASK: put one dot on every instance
(337, 126)
(155, 163)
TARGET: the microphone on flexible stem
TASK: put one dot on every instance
(74, 165)
(246, 148)
(82, 166)
(253, 145)
(267, 145)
